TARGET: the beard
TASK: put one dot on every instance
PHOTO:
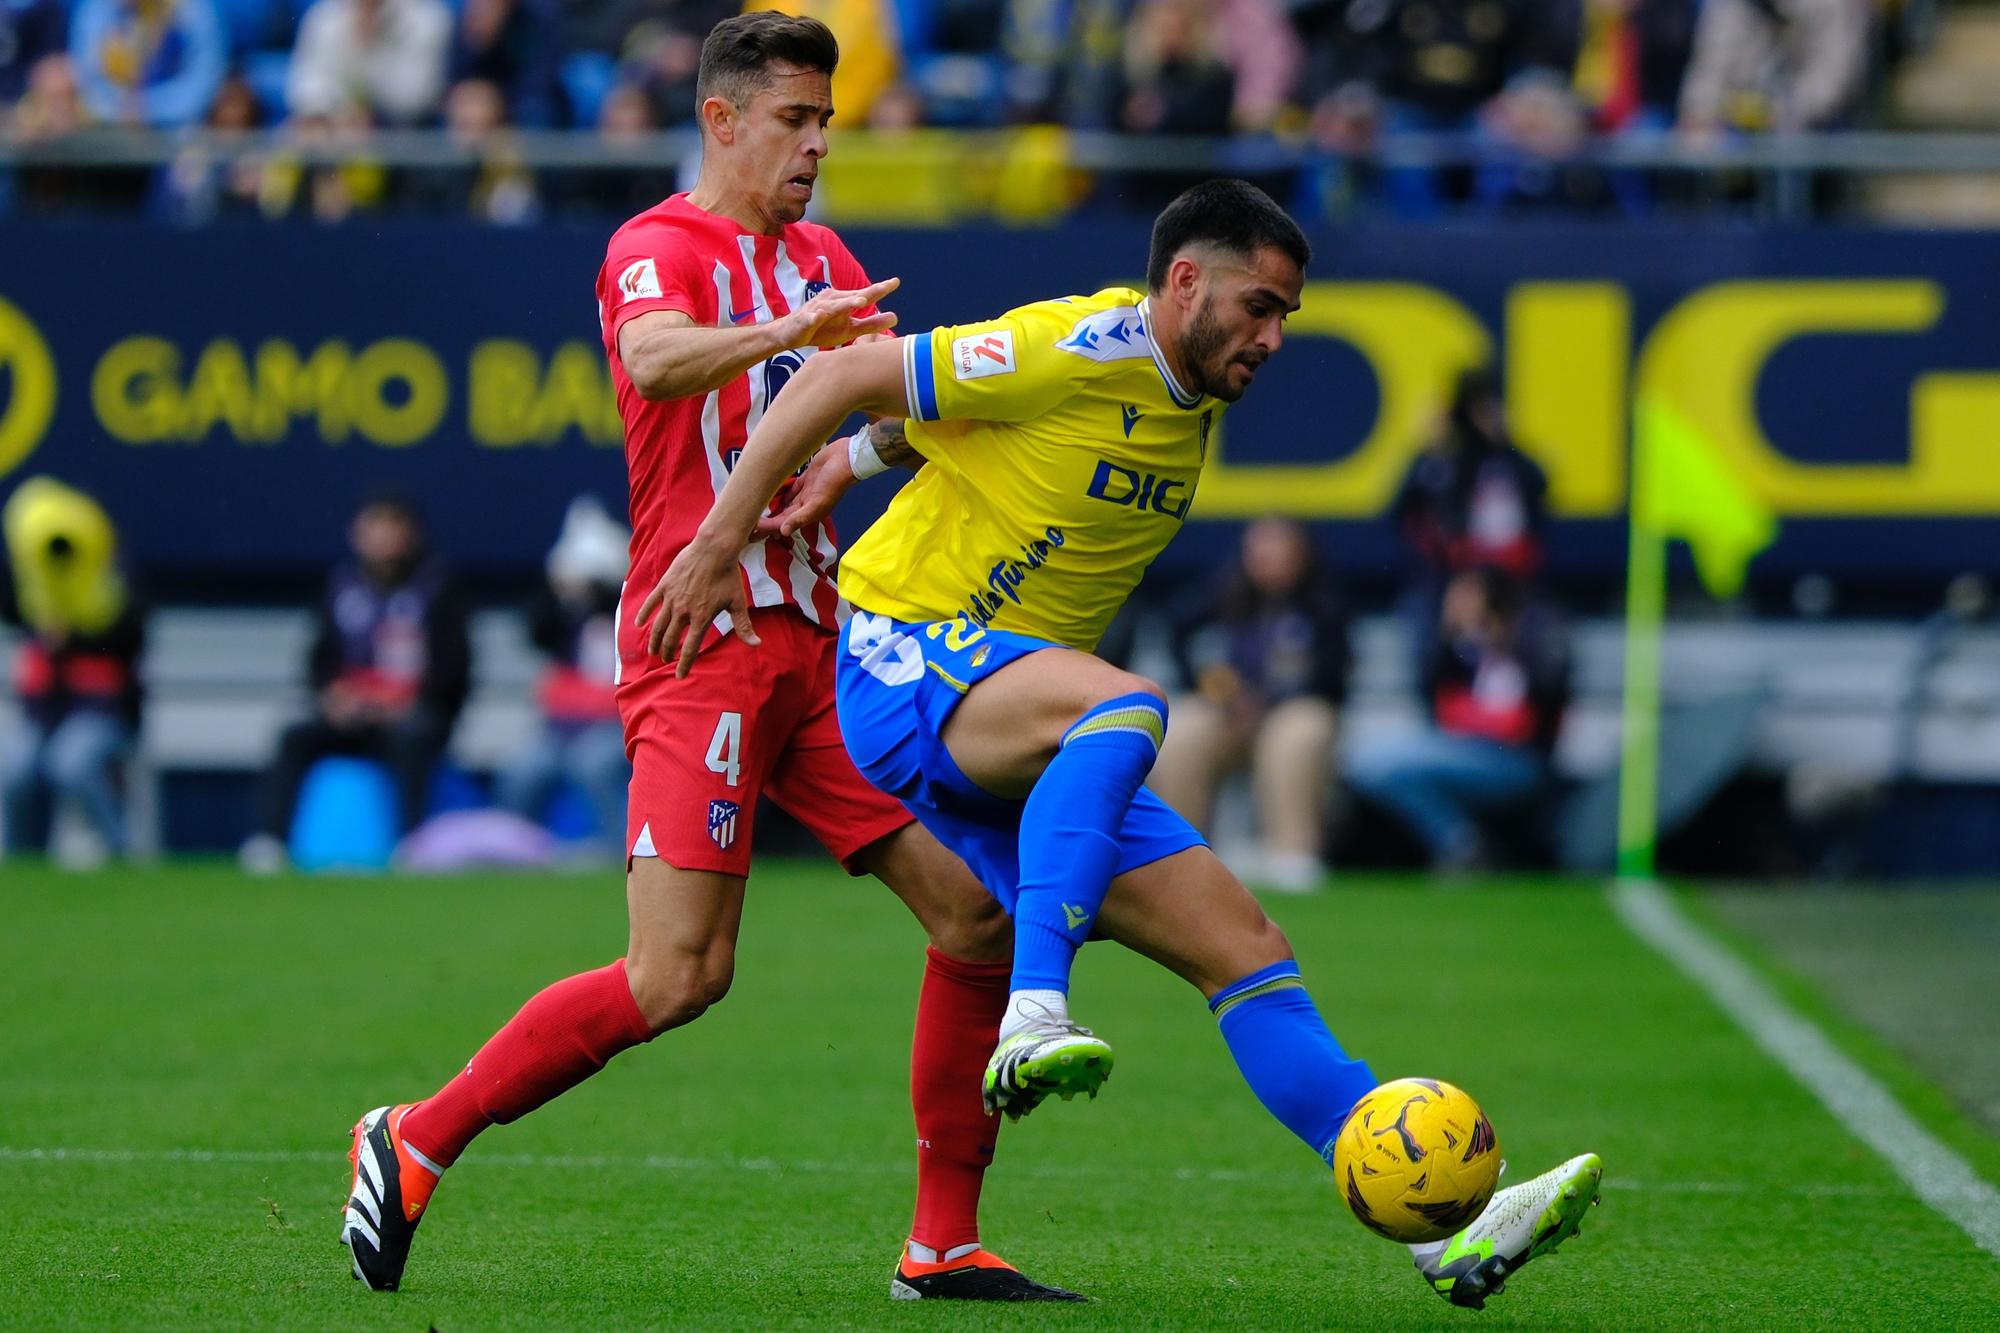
(1201, 352)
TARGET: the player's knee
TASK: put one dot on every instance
(1126, 685)
(20, 772)
(1249, 944)
(1120, 688)
(1263, 944)
(72, 768)
(978, 931)
(675, 992)
(716, 980)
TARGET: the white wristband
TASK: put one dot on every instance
(862, 460)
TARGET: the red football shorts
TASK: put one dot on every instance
(747, 721)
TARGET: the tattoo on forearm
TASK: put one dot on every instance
(892, 446)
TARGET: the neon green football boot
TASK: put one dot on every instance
(1047, 1057)
(1523, 1222)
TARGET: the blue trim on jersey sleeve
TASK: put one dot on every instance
(920, 379)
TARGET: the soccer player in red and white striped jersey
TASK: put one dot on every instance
(694, 269)
(709, 302)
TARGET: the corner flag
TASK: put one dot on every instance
(1680, 489)
(1683, 490)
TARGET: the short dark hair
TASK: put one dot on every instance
(737, 56)
(1230, 215)
(394, 503)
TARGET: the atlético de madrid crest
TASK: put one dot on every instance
(722, 822)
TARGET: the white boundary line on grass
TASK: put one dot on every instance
(1936, 1174)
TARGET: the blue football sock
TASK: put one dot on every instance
(1288, 1057)
(1069, 833)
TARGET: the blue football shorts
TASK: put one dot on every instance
(895, 685)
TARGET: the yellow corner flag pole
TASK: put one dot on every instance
(1681, 488)
(1639, 752)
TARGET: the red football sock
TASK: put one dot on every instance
(559, 1039)
(958, 1023)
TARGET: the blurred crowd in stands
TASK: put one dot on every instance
(360, 772)
(1524, 82)
(1264, 662)
(1259, 666)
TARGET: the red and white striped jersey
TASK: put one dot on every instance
(679, 452)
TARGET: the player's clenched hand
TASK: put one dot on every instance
(828, 319)
(699, 583)
(812, 497)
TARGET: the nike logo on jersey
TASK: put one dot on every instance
(740, 316)
(1131, 415)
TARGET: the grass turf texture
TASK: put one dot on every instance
(754, 1170)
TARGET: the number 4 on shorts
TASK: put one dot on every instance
(725, 748)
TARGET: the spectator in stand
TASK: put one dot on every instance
(330, 192)
(899, 110)
(29, 31)
(386, 57)
(148, 62)
(1064, 61)
(1471, 499)
(1267, 657)
(197, 187)
(1628, 78)
(1496, 685)
(1497, 70)
(517, 46)
(52, 108)
(1633, 57)
(662, 58)
(1782, 65)
(573, 620)
(870, 50)
(1262, 50)
(390, 668)
(625, 117)
(494, 187)
(1175, 82)
(77, 675)
(51, 105)
(604, 25)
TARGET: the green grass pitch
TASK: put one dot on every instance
(182, 1051)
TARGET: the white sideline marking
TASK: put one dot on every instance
(656, 1162)
(1934, 1173)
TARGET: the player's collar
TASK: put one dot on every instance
(1182, 398)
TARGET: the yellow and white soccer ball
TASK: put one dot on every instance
(1417, 1160)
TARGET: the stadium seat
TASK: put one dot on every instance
(346, 818)
(254, 24)
(569, 815)
(959, 91)
(265, 72)
(453, 788)
(914, 21)
(586, 77)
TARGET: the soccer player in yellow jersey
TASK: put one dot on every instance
(1061, 445)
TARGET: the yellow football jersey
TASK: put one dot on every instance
(1061, 459)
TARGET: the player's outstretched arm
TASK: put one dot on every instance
(666, 355)
(704, 578)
